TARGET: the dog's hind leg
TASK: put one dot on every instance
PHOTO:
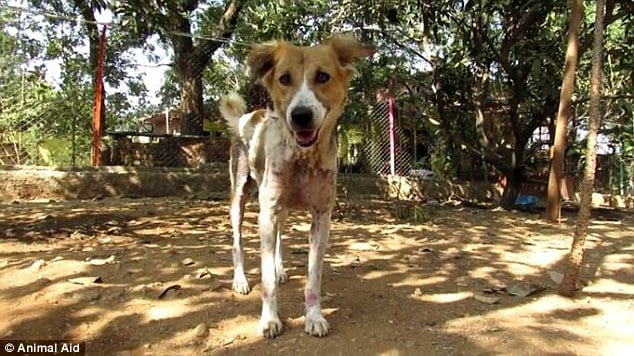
(282, 277)
(316, 324)
(239, 172)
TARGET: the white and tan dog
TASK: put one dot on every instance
(291, 153)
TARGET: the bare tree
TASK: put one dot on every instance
(575, 258)
(558, 151)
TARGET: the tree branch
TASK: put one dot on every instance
(457, 136)
(93, 32)
(535, 14)
(407, 48)
(603, 97)
(224, 29)
(626, 6)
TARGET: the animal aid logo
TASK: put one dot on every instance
(41, 347)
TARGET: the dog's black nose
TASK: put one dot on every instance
(302, 116)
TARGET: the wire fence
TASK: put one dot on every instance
(154, 114)
(383, 148)
(161, 108)
(44, 110)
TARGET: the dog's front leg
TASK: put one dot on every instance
(270, 323)
(316, 324)
(282, 277)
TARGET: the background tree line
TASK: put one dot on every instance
(472, 78)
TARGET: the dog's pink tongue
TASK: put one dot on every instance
(305, 138)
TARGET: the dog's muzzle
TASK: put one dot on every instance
(302, 125)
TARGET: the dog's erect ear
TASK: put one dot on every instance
(349, 49)
(261, 59)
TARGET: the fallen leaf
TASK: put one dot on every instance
(229, 341)
(42, 282)
(427, 250)
(452, 255)
(201, 330)
(86, 280)
(555, 276)
(327, 297)
(417, 292)
(202, 273)
(486, 298)
(524, 289)
(173, 287)
(115, 230)
(493, 329)
(37, 265)
(102, 261)
(491, 290)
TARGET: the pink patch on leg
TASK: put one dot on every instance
(311, 299)
(265, 295)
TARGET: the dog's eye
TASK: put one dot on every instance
(322, 77)
(285, 79)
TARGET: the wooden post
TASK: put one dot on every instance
(98, 119)
(568, 286)
(558, 150)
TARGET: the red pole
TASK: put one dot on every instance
(98, 119)
(390, 116)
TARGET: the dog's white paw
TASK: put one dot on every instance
(316, 325)
(282, 277)
(241, 285)
(271, 327)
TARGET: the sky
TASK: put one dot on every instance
(151, 73)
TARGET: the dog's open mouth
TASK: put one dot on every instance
(306, 138)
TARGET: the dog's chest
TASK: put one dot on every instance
(310, 188)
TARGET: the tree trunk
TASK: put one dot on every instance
(568, 285)
(558, 152)
(514, 180)
(191, 90)
(190, 64)
(191, 61)
(94, 36)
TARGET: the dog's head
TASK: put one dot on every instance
(308, 85)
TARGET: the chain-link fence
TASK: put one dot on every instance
(44, 103)
(48, 72)
(160, 107)
(379, 146)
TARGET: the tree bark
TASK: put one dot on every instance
(192, 107)
(568, 285)
(87, 11)
(514, 181)
(191, 61)
(558, 152)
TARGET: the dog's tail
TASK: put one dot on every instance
(232, 107)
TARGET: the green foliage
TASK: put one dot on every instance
(441, 163)
(447, 60)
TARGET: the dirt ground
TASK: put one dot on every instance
(413, 286)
